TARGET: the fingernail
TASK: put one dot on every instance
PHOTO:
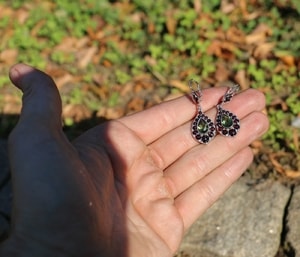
(17, 72)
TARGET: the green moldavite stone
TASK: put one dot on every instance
(202, 126)
(226, 121)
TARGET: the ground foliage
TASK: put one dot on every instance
(110, 58)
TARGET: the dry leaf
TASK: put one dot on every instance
(77, 112)
(22, 15)
(110, 113)
(61, 81)
(222, 73)
(256, 146)
(227, 7)
(259, 35)
(171, 22)
(292, 173)
(67, 45)
(296, 138)
(135, 104)
(179, 85)
(263, 50)
(198, 5)
(279, 168)
(37, 27)
(87, 55)
(9, 56)
(11, 104)
(151, 28)
(287, 59)
(222, 49)
(240, 78)
(256, 38)
(235, 35)
(126, 90)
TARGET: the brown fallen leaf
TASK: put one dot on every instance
(171, 22)
(66, 78)
(286, 57)
(77, 112)
(293, 173)
(259, 34)
(21, 15)
(255, 38)
(280, 169)
(135, 104)
(67, 44)
(82, 42)
(182, 86)
(198, 5)
(11, 104)
(222, 49)
(262, 51)
(227, 7)
(256, 146)
(110, 113)
(8, 56)
(37, 28)
(86, 56)
(222, 73)
(241, 79)
(296, 138)
(235, 35)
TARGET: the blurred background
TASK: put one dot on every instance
(111, 58)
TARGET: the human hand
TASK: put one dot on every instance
(128, 187)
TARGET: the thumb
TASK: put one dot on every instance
(41, 107)
(39, 125)
(37, 141)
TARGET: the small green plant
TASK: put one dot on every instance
(61, 57)
(164, 40)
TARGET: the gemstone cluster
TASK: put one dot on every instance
(227, 123)
(203, 128)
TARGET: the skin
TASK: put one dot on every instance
(128, 187)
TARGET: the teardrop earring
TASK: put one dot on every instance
(203, 128)
(227, 123)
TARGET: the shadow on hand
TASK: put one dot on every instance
(7, 123)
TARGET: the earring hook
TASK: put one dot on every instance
(230, 93)
(196, 91)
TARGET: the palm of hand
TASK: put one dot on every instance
(136, 190)
(93, 192)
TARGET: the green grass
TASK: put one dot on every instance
(169, 38)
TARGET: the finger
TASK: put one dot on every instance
(201, 160)
(197, 199)
(156, 121)
(175, 143)
(40, 155)
(41, 107)
(39, 123)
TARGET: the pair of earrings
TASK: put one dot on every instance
(226, 123)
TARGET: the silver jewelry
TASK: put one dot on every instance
(203, 128)
(227, 123)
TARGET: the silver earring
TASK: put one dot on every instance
(227, 123)
(203, 128)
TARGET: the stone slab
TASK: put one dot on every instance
(246, 222)
(293, 223)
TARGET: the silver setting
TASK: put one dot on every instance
(203, 128)
(227, 123)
